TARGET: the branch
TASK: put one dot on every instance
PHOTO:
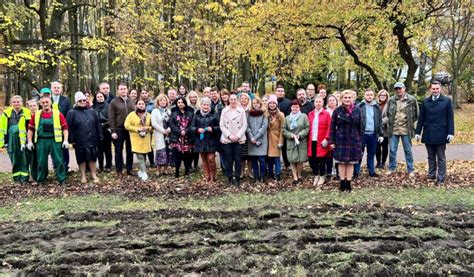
(28, 6)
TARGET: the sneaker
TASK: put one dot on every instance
(411, 174)
(389, 172)
(373, 174)
(140, 174)
(316, 180)
(144, 176)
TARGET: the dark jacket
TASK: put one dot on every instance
(436, 120)
(346, 134)
(102, 111)
(284, 105)
(307, 107)
(84, 128)
(210, 142)
(110, 97)
(217, 108)
(378, 127)
(118, 111)
(174, 124)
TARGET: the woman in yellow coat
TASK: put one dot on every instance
(138, 123)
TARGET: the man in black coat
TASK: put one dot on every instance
(61, 103)
(436, 124)
(306, 105)
(284, 105)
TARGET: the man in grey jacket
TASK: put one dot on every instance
(371, 132)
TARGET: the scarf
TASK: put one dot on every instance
(142, 115)
(349, 108)
(205, 114)
(254, 112)
(293, 120)
(273, 113)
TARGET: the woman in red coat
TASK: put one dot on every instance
(318, 139)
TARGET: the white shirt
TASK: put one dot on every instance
(314, 131)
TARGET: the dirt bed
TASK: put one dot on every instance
(328, 239)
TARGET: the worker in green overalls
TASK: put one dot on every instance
(13, 122)
(48, 129)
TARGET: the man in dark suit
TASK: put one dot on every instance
(61, 103)
(436, 124)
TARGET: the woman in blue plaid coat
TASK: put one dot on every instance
(345, 138)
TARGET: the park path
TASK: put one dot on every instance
(453, 152)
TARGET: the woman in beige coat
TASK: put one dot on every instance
(276, 120)
(233, 124)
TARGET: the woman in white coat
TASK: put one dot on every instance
(159, 121)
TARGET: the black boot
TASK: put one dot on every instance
(342, 185)
(237, 181)
(229, 181)
(255, 179)
(348, 186)
(278, 177)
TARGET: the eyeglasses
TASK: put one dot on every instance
(82, 100)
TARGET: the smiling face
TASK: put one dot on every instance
(318, 103)
(182, 90)
(206, 107)
(145, 95)
(180, 104)
(16, 103)
(82, 103)
(332, 102)
(140, 105)
(162, 102)
(256, 104)
(33, 106)
(133, 94)
(244, 100)
(383, 96)
(295, 108)
(193, 99)
(347, 99)
(435, 89)
(233, 101)
(322, 93)
(100, 98)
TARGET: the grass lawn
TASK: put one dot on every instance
(49, 208)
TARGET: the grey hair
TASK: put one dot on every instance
(205, 100)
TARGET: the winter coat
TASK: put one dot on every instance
(141, 145)
(84, 128)
(233, 122)
(307, 107)
(63, 105)
(118, 111)
(346, 134)
(384, 119)
(257, 126)
(175, 128)
(217, 108)
(436, 120)
(378, 128)
(102, 110)
(296, 153)
(275, 134)
(412, 114)
(284, 105)
(210, 141)
(324, 127)
(160, 124)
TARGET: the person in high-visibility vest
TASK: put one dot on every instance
(13, 122)
(32, 159)
(47, 128)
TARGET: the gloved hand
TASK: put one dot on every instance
(30, 146)
(280, 146)
(380, 140)
(22, 147)
(65, 144)
(450, 138)
(324, 144)
(417, 137)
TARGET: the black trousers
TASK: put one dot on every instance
(318, 165)
(283, 154)
(123, 138)
(381, 153)
(186, 158)
(233, 159)
(195, 159)
(104, 150)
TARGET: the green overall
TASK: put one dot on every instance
(46, 144)
(18, 158)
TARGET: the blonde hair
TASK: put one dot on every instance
(198, 101)
(158, 99)
(16, 97)
(249, 106)
(380, 92)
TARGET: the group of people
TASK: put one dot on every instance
(332, 132)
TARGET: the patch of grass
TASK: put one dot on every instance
(464, 125)
(48, 208)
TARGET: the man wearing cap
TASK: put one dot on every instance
(436, 124)
(44, 92)
(47, 128)
(402, 116)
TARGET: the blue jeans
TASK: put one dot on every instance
(274, 162)
(258, 162)
(369, 141)
(406, 141)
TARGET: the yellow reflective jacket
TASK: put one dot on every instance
(58, 133)
(7, 113)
